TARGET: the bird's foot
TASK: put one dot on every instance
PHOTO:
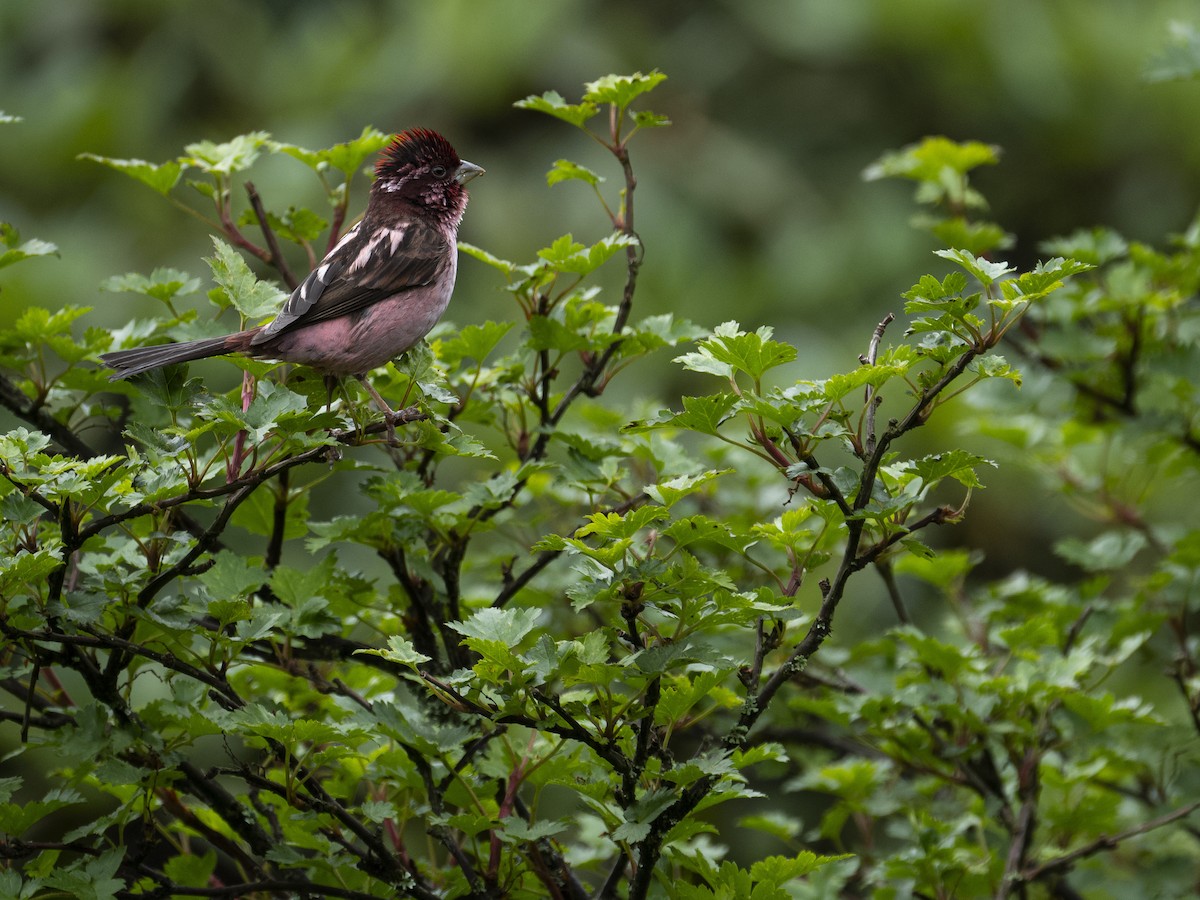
(394, 417)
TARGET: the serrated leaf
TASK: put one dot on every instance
(671, 491)
(232, 576)
(508, 626)
(567, 255)
(615, 525)
(621, 90)
(939, 166)
(565, 170)
(703, 414)
(553, 104)
(227, 157)
(16, 251)
(644, 118)
(239, 287)
(701, 528)
(162, 284)
(298, 225)
(641, 813)
(782, 870)
(508, 268)
(986, 271)
(160, 177)
(1106, 552)
(400, 650)
(517, 830)
(1096, 246)
(753, 353)
(347, 157)
(472, 342)
(957, 464)
(17, 818)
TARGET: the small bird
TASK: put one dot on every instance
(381, 288)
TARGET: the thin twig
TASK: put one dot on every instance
(1104, 842)
(872, 400)
(884, 568)
(276, 260)
(37, 415)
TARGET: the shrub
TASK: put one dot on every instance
(552, 644)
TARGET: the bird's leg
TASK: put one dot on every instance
(331, 383)
(390, 416)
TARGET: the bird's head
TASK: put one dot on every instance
(421, 167)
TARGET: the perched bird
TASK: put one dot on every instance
(381, 288)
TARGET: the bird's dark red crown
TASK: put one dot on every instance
(415, 147)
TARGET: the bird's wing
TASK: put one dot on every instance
(367, 265)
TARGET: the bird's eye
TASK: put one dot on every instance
(438, 171)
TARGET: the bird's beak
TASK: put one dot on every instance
(466, 171)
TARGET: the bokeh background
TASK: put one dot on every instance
(751, 206)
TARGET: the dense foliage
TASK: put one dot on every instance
(553, 643)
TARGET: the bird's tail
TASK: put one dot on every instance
(127, 363)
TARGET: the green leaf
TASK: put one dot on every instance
(701, 528)
(703, 414)
(671, 491)
(566, 255)
(506, 625)
(238, 286)
(16, 251)
(161, 284)
(347, 157)
(160, 177)
(1095, 246)
(553, 104)
(37, 326)
(16, 819)
(639, 816)
(1180, 58)
(508, 268)
(777, 824)
(1112, 550)
(90, 877)
(986, 271)
(977, 238)
(472, 342)
(1045, 277)
(400, 650)
(840, 385)
(232, 576)
(644, 118)
(782, 870)
(731, 349)
(565, 170)
(957, 464)
(230, 156)
(298, 225)
(190, 869)
(518, 831)
(939, 166)
(621, 90)
(614, 526)
(260, 511)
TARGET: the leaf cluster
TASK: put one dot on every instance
(551, 643)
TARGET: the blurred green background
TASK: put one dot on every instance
(751, 206)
